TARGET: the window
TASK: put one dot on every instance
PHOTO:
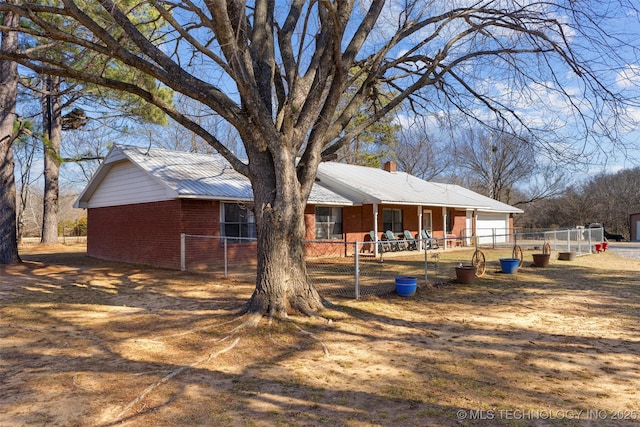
(328, 223)
(392, 220)
(237, 221)
(427, 221)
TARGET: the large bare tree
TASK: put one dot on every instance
(277, 72)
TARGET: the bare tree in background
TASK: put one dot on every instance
(612, 198)
(277, 72)
(494, 163)
(24, 150)
(420, 153)
(174, 136)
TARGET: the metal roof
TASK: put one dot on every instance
(189, 175)
(370, 185)
(489, 203)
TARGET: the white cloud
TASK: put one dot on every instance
(629, 76)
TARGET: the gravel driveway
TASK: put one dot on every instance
(626, 249)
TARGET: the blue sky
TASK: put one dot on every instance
(542, 107)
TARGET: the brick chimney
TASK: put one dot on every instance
(390, 166)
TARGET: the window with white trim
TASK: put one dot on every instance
(328, 223)
(392, 220)
(237, 221)
(427, 221)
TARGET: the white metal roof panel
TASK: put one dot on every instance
(210, 176)
(370, 185)
(191, 175)
(491, 205)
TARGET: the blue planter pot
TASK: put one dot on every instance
(406, 285)
(509, 265)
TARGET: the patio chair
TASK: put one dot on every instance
(396, 244)
(411, 242)
(428, 241)
(383, 245)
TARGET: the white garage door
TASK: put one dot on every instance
(488, 224)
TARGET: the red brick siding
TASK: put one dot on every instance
(355, 226)
(149, 233)
(145, 233)
(437, 221)
(310, 222)
(357, 221)
(202, 218)
(459, 222)
(208, 254)
(409, 218)
(331, 248)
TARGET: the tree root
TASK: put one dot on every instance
(26, 328)
(193, 330)
(172, 374)
(277, 344)
(75, 383)
(324, 347)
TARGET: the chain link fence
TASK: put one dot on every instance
(358, 269)
(580, 240)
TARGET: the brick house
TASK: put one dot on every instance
(140, 202)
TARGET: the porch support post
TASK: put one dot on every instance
(475, 222)
(420, 226)
(375, 229)
(444, 226)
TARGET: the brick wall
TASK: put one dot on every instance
(145, 233)
(149, 233)
(357, 221)
(202, 218)
(459, 222)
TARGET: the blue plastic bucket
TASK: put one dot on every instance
(406, 285)
(509, 265)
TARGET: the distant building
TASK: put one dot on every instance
(634, 227)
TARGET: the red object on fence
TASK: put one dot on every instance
(604, 246)
(598, 247)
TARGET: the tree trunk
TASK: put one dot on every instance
(281, 283)
(52, 122)
(8, 94)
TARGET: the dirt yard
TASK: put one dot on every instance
(92, 343)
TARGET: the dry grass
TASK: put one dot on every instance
(92, 343)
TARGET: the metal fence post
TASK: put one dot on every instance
(356, 266)
(426, 267)
(183, 257)
(226, 260)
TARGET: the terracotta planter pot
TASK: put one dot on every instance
(541, 260)
(466, 274)
(567, 256)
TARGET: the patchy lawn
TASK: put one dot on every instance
(92, 343)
